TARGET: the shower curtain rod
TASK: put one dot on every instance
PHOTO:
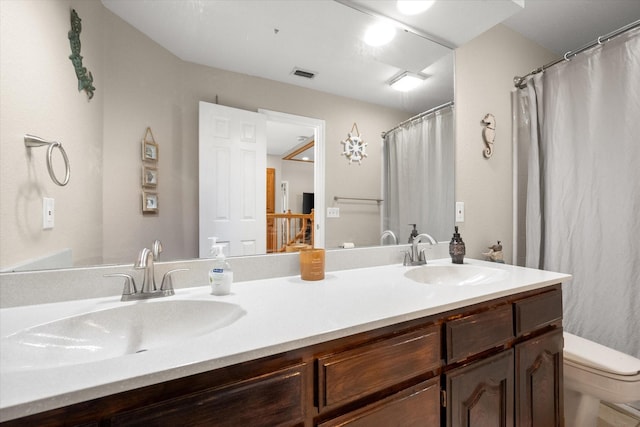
(519, 82)
(418, 116)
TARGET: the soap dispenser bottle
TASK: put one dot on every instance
(221, 275)
(414, 233)
(456, 248)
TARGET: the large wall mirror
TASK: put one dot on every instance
(151, 64)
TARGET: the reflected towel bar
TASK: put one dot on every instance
(31, 141)
(336, 198)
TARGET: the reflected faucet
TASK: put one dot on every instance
(145, 261)
(390, 233)
(414, 257)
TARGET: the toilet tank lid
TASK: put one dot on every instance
(594, 355)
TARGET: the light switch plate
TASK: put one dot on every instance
(459, 211)
(333, 212)
(48, 213)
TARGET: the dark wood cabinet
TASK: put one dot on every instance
(275, 399)
(473, 366)
(345, 376)
(417, 406)
(481, 393)
(538, 379)
(474, 333)
(511, 364)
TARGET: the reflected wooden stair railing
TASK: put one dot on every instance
(289, 231)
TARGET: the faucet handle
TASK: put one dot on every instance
(167, 281)
(407, 259)
(422, 256)
(129, 284)
(156, 249)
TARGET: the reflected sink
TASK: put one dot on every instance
(114, 332)
(456, 275)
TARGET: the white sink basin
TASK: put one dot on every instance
(456, 275)
(114, 332)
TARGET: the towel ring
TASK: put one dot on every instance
(31, 141)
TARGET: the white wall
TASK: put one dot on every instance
(300, 177)
(485, 68)
(39, 95)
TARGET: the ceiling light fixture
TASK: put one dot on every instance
(406, 81)
(413, 7)
(379, 34)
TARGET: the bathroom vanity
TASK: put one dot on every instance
(363, 347)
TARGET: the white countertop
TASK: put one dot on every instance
(282, 314)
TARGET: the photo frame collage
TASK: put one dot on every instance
(149, 173)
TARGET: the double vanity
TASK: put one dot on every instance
(440, 344)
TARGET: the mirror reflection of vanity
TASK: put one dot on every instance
(140, 84)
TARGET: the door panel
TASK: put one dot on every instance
(232, 160)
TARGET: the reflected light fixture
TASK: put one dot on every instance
(413, 7)
(379, 34)
(406, 81)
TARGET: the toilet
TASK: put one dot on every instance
(594, 373)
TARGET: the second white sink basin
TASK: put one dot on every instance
(114, 332)
(456, 275)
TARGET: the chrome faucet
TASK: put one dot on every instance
(416, 257)
(145, 261)
(390, 233)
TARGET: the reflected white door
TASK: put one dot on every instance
(232, 163)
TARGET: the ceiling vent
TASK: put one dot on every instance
(303, 73)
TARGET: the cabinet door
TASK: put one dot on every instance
(274, 399)
(481, 393)
(417, 406)
(539, 368)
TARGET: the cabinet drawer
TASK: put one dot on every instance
(416, 406)
(478, 332)
(355, 373)
(273, 399)
(538, 311)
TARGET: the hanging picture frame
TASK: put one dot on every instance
(149, 176)
(149, 202)
(149, 147)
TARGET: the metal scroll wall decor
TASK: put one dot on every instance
(85, 79)
(488, 134)
(354, 146)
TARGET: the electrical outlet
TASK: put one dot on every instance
(333, 212)
(47, 213)
(459, 211)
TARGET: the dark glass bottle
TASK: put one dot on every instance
(456, 248)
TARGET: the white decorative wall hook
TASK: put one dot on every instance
(489, 134)
(354, 146)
